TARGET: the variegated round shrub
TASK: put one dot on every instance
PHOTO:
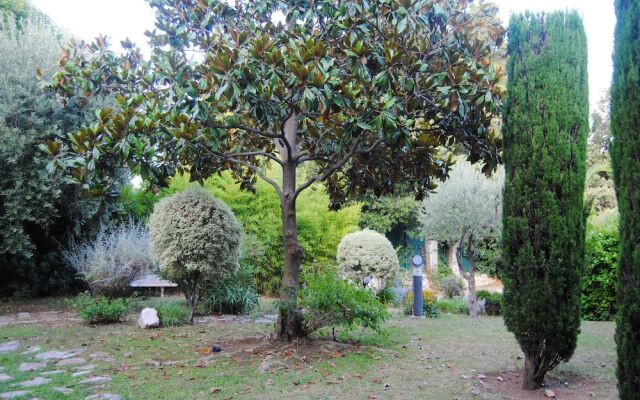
(369, 254)
(194, 237)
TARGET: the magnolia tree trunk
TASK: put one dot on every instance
(289, 323)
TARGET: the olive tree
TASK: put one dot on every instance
(465, 212)
(361, 95)
(194, 238)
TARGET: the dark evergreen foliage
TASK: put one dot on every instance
(625, 157)
(38, 212)
(545, 135)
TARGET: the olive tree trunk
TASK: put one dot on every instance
(469, 276)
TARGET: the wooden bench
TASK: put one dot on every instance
(153, 281)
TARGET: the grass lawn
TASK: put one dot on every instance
(450, 357)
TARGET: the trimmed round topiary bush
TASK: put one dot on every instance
(369, 254)
(195, 238)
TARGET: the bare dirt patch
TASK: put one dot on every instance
(297, 355)
(508, 385)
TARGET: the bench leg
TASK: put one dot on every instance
(161, 292)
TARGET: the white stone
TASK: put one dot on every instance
(37, 381)
(96, 380)
(63, 390)
(80, 373)
(9, 346)
(14, 395)
(57, 355)
(48, 373)
(104, 396)
(30, 350)
(24, 315)
(149, 318)
(29, 366)
(5, 377)
(100, 356)
(71, 361)
(85, 367)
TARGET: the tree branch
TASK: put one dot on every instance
(252, 167)
(254, 153)
(244, 128)
(339, 164)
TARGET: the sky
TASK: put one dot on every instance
(119, 19)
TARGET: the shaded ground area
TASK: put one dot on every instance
(225, 357)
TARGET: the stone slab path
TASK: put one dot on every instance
(43, 369)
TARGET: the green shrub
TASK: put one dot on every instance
(195, 238)
(368, 253)
(598, 300)
(171, 312)
(442, 273)
(386, 295)
(99, 310)
(450, 286)
(328, 300)
(429, 299)
(493, 301)
(234, 295)
(455, 305)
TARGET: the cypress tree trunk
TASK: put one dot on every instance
(625, 157)
(545, 134)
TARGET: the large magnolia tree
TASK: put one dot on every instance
(366, 93)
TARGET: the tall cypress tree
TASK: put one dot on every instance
(625, 157)
(545, 136)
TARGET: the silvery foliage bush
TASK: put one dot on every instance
(113, 259)
(367, 253)
(195, 238)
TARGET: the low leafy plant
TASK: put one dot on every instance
(99, 310)
(172, 312)
(454, 305)
(386, 295)
(493, 301)
(429, 299)
(328, 300)
(233, 295)
(451, 287)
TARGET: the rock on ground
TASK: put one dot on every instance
(58, 355)
(31, 366)
(96, 380)
(104, 396)
(14, 394)
(37, 381)
(5, 377)
(149, 318)
(30, 350)
(9, 346)
(269, 364)
(47, 373)
(71, 361)
(63, 390)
